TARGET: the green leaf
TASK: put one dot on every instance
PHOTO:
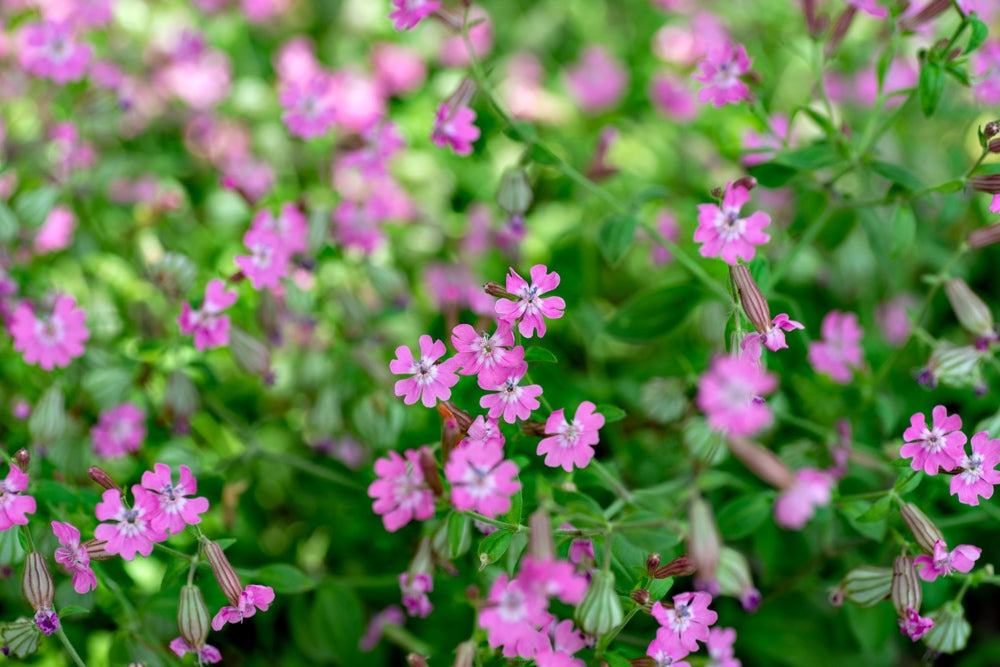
(33, 206)
(959, 73)
(612, 413)
(653, 313)
(71, 609)
(878, 231)
(542, 155)
(660, 587)
(615, 660)
(930, 87)
(904, 232)
(822, 121)
(877, 511)
(616, 236)
(949, 187)
(521, 131)
(493, 547)
(8, 223)
(336, 622)
(897, 174)
(704, 443)
(980, 31)
(809, 158)
(459, 534)
(771, 174)
(513, 515)
(871, 625)
(285, 578)
(535, 353)
(885, 59)
(742, 516)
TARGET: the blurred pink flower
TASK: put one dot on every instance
(724, 234)
(797, 504)
(932, 448)
(119, 431)
(310, 106)
(81, 14)
(398, 69)
(986, 70)
(687, 45)
(391, 615)
(360, 100)
(960, 559)
(840, 349)
(356, 226)
(50, 50)
(913, 625)
(760, 147)
(720, 647)
(596, 81)
(510, 617)
(267, 262)
(455, 126)
(52, 340)
(205, 654)
(14, 504)
(415, 588)
(290, 226)
(979, 474)
(74, 557)
(453, 51)
(484, 431)
(871, 7)
(176, 511)
(571, 443)
(530, 309)
(666, 224)
(406, 14)
(210, 328)
(729, 393)
(671, 95)
(893, 319)
(262, 11)
(296, 62)
(667, 652)
(400, 492)
(720, 71)
(900, 76)
(481, 479)
(56, 233)
(131, 532)
(201, 79)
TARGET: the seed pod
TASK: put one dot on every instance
(36, 583)
(465, 654)
(985, 236)
(192, 617)
(951, 631)
(224, 573)
(499, 291)
(970, 310)
(250, 354)
(514, 194)
(429, 468)
(986, 183)
(180, 400)
(906, 591)
(924, 532)
(704, 541)
(600, 610)
(867, 585)
(763, 462)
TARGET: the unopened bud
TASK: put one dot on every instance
(600, 610)
(192, 617)
(840, 29)
(704, 541)
(23, 459)
(463, 418)
(532, 428)
(416, 660)
(746, 182)
(652, 563)
(48, 420)
(450, 432)
(682, 566)
(180, 400)
(36, 583)
(97, 550)
(250, 354)
(762, 462)
(924, 532)
(991, 129)
(103, 479)
(640, 596)
(465, 654)
(951, 631)
(928, 12)
(540, 545)
(498, 290)
(906, 590)
(429, 468)
(224, 573)
(986, 183)
(735, 579)
(753, 301)
(970, 310)
(514, 194)
(985, 236)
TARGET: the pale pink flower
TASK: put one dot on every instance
(893, 319)
(177, 511)
(429, 381)
(454, 287)
(564, 641)
(840, 349)
(729, 394)
(673, 97)
(205, 654)
(209, 326)
(760, 147)
(723, 233)
(50, 50)
(262, 11)
(530, 309)
(361, 102)
(979, 473)
(485, 431)
(454, 52)
(119, 431)
(986, 69)
(56, 233)
(899, 78)
(721, 71)
(54, 340)
(666, 224)
(797, 504)
(400, 492)
(74, 557)
(512, 401)
(391, 615)
(310, 106)
(596, 81)
(488, 356)
(932, 448)
(14, 505)
(252, 598)
(201, 79)
(511, 616)
(720, 648)
(667, 652)
(289, 226)
(414, 588)
(871, 7)
(571, 444)
(685, 45)
(553, 579)
(406, 14)
(357, 225)
(913, 625)
(398, 69)
(687, 622)
(481, 479)
(960, 559)
(455, 126)
(267, 262)
(368, 163)
(132, 533)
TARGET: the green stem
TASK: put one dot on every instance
(606, 640)
(308, 467)
(515, 527)
(612, 481)
(804, 241)
(69, 648)
(175, 553)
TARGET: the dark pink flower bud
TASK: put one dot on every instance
(640, 596)
(224, 573)
(22, 459)
(986, 183)
(36, 583)
(652, 563)
(929, 11)
(414, 660)
(992, 129)
(451, 433)
(981, 238)
(704, 541)
(763, 462)
(498, 290)
(103, 479)
(840, 29)
(682, 566)
(463, 418)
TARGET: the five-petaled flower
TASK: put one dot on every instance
(723, 233)
(414, 588)
(571, 443)
(176, 510)
(512, 401)
(913, 625)
(133, 531)
(721, 71)
(267, 262)
(979, 474)
(429, 380)
(252, 598)
(960, 559)
(13, 504)
(481, 479)
(530, 309)
(406, 14)
(209, 326)
(74, 557)
(729, 394)
(119, 431)
(941, 446)
(50, 341)
(687, 622)
(400, 492)
(455, 126)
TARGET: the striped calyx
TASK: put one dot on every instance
(924, 532)
(906, 591)
(867, 585)
(753, 301)
(224, 573)
(36, 584)
(192, 617)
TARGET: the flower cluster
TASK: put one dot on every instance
(684, 622)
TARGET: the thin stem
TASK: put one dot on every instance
(804, 241)
(608, 638)
(175, 553)
(515, 527)
(69, 648)
(612, 481)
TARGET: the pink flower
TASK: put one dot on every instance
(209, 326)
(725, 234)
(133, 532)
(206, 653)
(670, 94)
(119, 431)
(869, 7)
(773, 338)
(571, 443)
(512, 401)
(267, 262)
(721, 70)
(74, 557)
(289, 226)
(176, 510)
(597, 82)
(52, 341)
(961, 559)
(56, 233)
(454, 52)
(511, 616)
(361, 102)
(761, 147)
(530, 309)
(481, 480)
(687, 622)
(564, 641)
(484, 431)
(913, 625)
(839, 351)
(398, 69)
(729, 394)
(455, 126)
(667, 652)
(931, 448)
(553, 578)
(391, 615)
(406, 14)
(252, 598)
(720, 648)
(400, 492)
(986, 70)
(666, 224)
(797, 504)
(415, 588)
(13, 505)
(430, 381)
(979, 473)
(487, 355)
(309, 105)
(49, 50)
(893, 319)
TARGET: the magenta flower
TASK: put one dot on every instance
(176, 510)
(309, 106)
(13, 505)
(415, 588)
(56, 233)
(961, 559)
(485, 431)
(267, 262)
(564, 640)
(119, 431)
(406, 14)
(391, 615)
(673, 97)
(530, 309)
(931, 448)
(206, 653)
(252, 598)
(487, 355)
(400, 492)
(687, 622)
(893, 319)
(50, 50)
(870, 7)
(553, 579)
(52, 341)
(723, 233)
(913, 625)
(209, 326)
(986, 70)
(597, 81)
(133, 533)
(667, 653)
(290, 226)
(839, 351)
(720, 648)
(571, 443)
(511, 616)
(797, 504)
(721, 71)
(455, 126)
(979, 473)
(74, 557)
(481, 480)
(729, 394)
(511, 401)
(429, 381)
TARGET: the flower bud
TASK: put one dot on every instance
(986, 183)
(974, 315)
(180, 400)
(840, 29)
(652, 563)
(905, 591)
(463, 418)
(97, 551)
(763, 462)
(753, 301)
(224, 573)
(929, 11)
(951, 631)
(953, 366)
(415, 660)
(640, 596)
(23, 459)
(735, 580)
(48, 421)
(499, 291)
(450, 431)
(867, 585)
(192, 617)
(980, 238)
(429, 468)
(600, 610)
(250, 354)
(924, 532)
(465, 654)
(704, 541)
(514, 194)
(992, 129)
(533, 428)
(36, 583)
(682, 566)
(103, 479)
(540, 545)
